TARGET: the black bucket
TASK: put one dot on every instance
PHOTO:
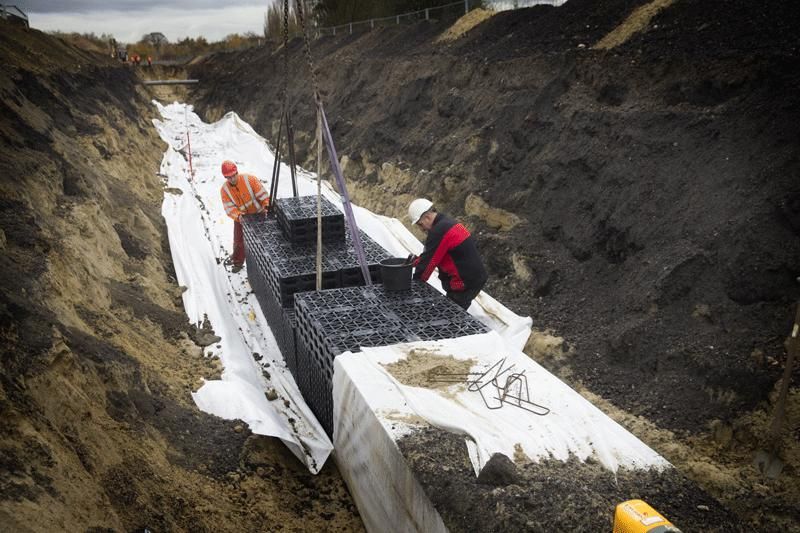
(396, 274)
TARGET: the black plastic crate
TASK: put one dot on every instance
(306, 234)
(379, 317)
(288, 340)
(302, 207)
(320, 396)
(332, 322)
(425, 303)
(304, 368)
(353, 277)
(288, 268)
(304, 283)
(297, 217)
(352, 342)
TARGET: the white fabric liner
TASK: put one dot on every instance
(372, 410)
(201, 237)
(385, 490)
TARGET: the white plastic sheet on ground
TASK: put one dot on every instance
(372, 411)
(201, 237)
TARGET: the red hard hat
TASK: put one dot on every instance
(229, 169)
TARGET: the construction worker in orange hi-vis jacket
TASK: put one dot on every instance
(242, 194)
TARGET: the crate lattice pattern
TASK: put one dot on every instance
(312, 328)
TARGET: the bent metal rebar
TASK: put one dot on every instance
(505, 394)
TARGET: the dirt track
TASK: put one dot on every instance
(642, 204)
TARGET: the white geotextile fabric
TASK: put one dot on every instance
(372, 408)
(201, 237)
(385, 490)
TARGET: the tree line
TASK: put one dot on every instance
(317, 13)
(325, 13)
(157, 46)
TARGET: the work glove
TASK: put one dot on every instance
(411, 259)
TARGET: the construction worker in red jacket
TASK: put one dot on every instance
(450, 248)
(242, 194)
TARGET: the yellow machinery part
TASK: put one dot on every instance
(636, 516)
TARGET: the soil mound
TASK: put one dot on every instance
(550, 495)
(546, 29)
(723, 28)
(99, 431)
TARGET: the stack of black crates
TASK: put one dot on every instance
(297, 217)
(332, 322)
(281, 261)
(312, 328)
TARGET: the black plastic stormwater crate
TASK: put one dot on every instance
(332, 322)
(259, 229)
(290, 275)
(315, 387)
(288, 342)
(289, 268)
(277, 269)
(297, 217)
(299, 275)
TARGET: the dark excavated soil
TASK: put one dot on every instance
(550, 495)
(658, 182)
(98, 430)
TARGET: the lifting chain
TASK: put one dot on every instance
(285, 51)
(301, 16)
(324, 134)
(318, 102)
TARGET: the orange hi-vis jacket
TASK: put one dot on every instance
(244, 198)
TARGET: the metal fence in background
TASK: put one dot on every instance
(505, 5)
(453, 9)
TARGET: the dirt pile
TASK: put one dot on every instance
(550, 495)
(97, 360)
(656, 185)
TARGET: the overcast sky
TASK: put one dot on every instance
(128, 20)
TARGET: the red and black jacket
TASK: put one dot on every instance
(450, 247)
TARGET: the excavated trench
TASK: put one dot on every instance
(98, 359)
(640, 203)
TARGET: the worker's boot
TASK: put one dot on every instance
(236, 268)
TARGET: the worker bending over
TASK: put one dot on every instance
(451, 248)
(242, 194)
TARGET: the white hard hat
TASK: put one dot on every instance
(418, 208)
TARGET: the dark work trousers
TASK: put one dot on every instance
(238, 244)
(463, 298)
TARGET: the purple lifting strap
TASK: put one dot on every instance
(348, 209)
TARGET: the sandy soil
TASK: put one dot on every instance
(424, 368)
(97, 359)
